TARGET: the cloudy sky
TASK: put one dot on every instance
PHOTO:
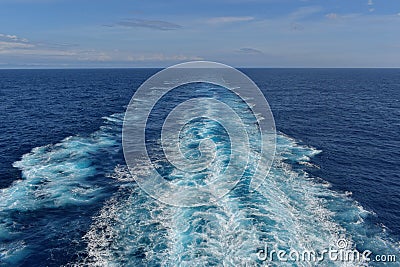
(158, 33)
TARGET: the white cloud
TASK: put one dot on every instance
(13, 45)
(16, 49)
(28, 51)
(10, 42)
(331, 16)
(161, 57)
(217, 20)
(304, 12)
(370, 4)
(12, 38)
(93, 55)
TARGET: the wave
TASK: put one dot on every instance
(292, 210)
(58, 182)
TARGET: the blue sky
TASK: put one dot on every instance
(241, 33)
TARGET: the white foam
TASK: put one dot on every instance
(291, 210)
(55, 176)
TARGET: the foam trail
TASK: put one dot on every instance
(54, 178)
(290, 211)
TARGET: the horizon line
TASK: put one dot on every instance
(237, 67)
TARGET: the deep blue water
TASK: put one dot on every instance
(67, 198)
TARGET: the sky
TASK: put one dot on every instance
(160, 33)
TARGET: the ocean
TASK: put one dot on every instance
(68, 199)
